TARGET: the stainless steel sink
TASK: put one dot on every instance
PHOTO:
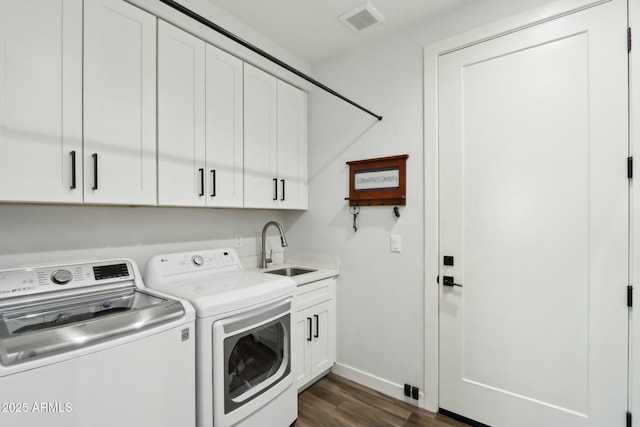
(291, 271)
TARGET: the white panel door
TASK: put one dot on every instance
(260, 139)
(292, 147)
(119, 103)
(534, 209)
(224, 129)
(181, 121)
(41, 100)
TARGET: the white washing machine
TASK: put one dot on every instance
(87, 344)
(243, 337)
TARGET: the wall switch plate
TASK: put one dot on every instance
(396, 243)
(238, 241)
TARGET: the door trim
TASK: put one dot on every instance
(432, 54)
(634, 261)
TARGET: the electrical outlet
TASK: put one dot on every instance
(238, 241)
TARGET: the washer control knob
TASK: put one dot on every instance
(197, 260)
(61, 277)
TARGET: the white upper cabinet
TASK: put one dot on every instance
(224, 129)
(119, 104)
(181, 117)
(41, 101)
(102, 103)
(275, 143)
(292, 147)
(260, 139)
(199, 122)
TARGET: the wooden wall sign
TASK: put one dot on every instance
(380, 181)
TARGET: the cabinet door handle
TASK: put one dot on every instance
(317, 334)
(213, 177)
(73, 170)
(275, 188)
(95, 170)
(309, 338)
(201, 170)
(282, 200)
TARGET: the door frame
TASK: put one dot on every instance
(432, 52)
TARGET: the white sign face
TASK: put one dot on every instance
(377, 179)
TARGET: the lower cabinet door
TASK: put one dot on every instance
(320, 348)
(312, 349)
(301, 351)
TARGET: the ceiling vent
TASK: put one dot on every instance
(362, 17)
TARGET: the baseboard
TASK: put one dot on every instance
(376, 383)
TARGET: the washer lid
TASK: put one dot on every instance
(58, 325)
(223, 293)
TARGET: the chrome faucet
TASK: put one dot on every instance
(266, 260)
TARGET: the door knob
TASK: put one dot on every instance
(449, 281)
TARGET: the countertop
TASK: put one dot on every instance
(325, 266)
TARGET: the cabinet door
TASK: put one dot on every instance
(301, 351)
(41, 100)
(321, 350)
(260, 133)
(224, 129)
(292, 147)
(314, 338)
(181, 124)
(119, 103)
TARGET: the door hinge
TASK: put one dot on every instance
(630, 167)
(629, 296)
(628, 39)
(628, 419)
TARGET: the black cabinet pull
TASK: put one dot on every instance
(213, 191)
(275, 188)
(73, 170)
(95, 170)
(201, 170)
(309, 338)
(317, 334)
(282, 200)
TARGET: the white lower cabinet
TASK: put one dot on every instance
(314, 337)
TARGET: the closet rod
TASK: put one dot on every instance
(261, 52)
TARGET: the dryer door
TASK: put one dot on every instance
(256, 352)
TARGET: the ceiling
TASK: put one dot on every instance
(311, 30)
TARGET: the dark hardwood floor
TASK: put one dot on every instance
(337, 402)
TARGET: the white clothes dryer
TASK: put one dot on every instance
(243, 337)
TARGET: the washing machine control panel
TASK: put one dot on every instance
(163, 268)
(28, 281)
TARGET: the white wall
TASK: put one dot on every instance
(35, 234)
(380, 294)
